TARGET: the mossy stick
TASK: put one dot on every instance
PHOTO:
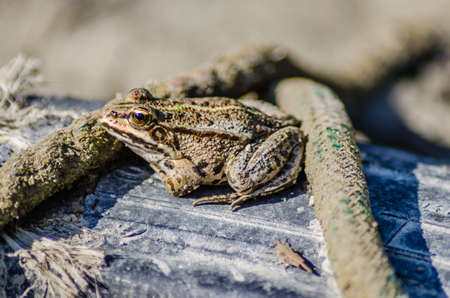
(31, 176)
(341, 198)
(230, 75)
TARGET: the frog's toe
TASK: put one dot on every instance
(241, 200)
(224, 199)
(234, 199)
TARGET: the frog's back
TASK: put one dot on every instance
(216, 115)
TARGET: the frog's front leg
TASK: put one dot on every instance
(265, 168)
(180, 176)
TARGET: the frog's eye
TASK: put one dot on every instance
(139, 117)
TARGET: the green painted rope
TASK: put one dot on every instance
(341, 198)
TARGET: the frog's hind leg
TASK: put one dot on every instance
(259, 163)
(285, 178)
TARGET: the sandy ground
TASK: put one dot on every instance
(92, 49)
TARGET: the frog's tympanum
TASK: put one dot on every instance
(195, 141)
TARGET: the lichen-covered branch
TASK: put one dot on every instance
(31, 176)
(341, 198)
(230, 75)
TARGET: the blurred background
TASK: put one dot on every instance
(384, 57)
(92, 49)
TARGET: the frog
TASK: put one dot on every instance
(191, 142)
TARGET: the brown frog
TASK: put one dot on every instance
(196, 141)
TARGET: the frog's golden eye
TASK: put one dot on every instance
(139, 117)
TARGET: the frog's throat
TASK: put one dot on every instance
(151, 152)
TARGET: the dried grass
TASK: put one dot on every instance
(21, 75)
(59, 268)
(17, 76)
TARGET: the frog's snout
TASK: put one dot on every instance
(108, 115)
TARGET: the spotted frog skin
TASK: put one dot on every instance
(209, 141)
